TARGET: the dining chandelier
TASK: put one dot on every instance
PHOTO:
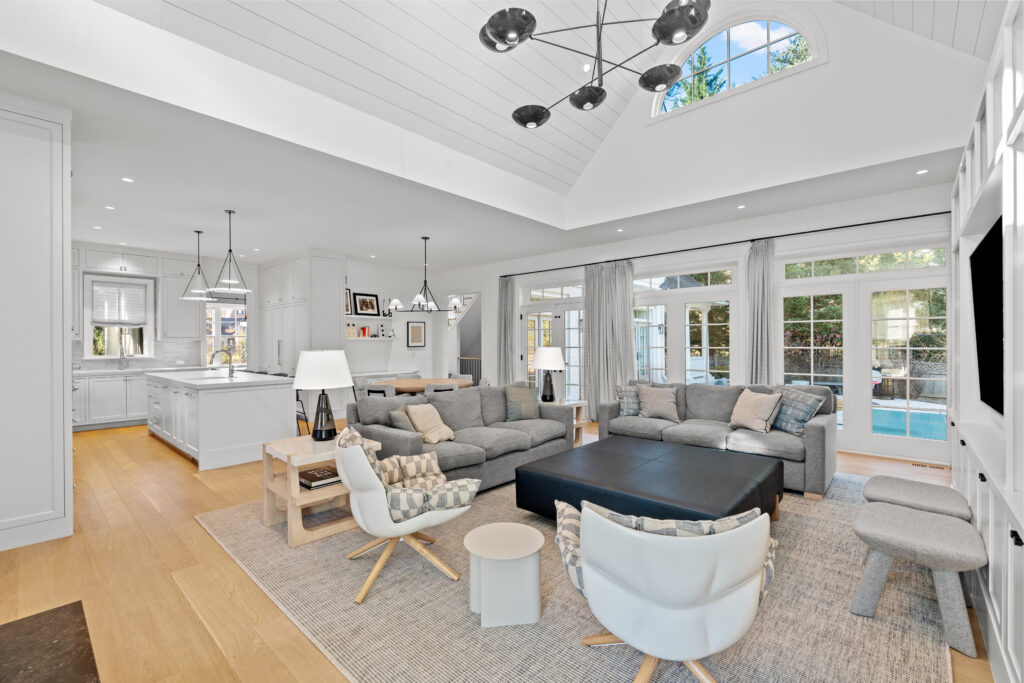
(230, 280)
(424, 301)
(681, 20)
(197, 289)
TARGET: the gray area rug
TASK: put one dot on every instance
(416, 624)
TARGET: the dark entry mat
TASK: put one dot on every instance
(49, 646)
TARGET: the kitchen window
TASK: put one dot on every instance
(120, 315)
(224, 323)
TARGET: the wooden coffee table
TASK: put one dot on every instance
(284, 498)
(417, 385)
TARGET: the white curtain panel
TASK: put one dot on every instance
(507, 329)
(610, 358)
(761, 299)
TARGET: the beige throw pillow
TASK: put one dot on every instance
(657, 403)
(427, 421)
(755, 411)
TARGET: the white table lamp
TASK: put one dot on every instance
(322, 370)
(548, 358)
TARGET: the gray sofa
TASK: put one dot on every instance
(486, 446)
(808, 461)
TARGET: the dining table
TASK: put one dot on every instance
(417, 385)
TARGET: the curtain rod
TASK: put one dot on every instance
(726, 244)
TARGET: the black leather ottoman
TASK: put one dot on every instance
(653, 478)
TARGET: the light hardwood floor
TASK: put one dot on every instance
(165, 603)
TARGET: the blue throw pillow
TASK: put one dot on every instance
(797, 408)
(629, 401)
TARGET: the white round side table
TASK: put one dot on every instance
(504, 573)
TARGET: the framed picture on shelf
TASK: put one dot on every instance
(415, 334)
(365, 304)
(348, 301)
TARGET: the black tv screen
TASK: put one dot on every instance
(987, 286)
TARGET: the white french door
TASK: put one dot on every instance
(561, 326)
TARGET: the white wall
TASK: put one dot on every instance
(485, 278)
(395, 356)
(883, 94)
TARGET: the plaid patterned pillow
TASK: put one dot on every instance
(567, 538)
(422, 465)
(797, 408)
(452, 494)
(428, 482)
(629, 401)
(391, 470)
(406, 503)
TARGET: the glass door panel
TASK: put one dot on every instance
(651, 340)
(813, 344)
(573, 333)
(707, 342)
(539, 330)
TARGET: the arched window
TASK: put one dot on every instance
(736, 56)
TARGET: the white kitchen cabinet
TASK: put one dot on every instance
(107, 399)
(299, 326)
(190, 433)
(1015, 601)
(178, 319)
(299, 281)
(271, 284)
(79, 401)
(177, 267)
(135, 397)
(76, 303)
(120, 262)
(153, 408)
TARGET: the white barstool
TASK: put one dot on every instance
(504, 573)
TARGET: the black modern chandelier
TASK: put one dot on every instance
(507, 29)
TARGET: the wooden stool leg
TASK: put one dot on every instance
(872, 584)
(601, 639)
(698, 670)
(388, 549)
(774, 516)
(434, 559)
(955, 622)
(646, 669)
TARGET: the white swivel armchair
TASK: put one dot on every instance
(368, 501)
(674, 598)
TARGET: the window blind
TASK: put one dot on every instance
(118, 305)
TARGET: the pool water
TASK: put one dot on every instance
(921, 425)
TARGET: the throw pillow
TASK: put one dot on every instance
(427, 422)
(405, 503)
(391, 470)
(452, 494)
(350, 437)
(660, 403)
(567, 538)
(755, 411)
(521, 403)
(797, 408)
(428, 482)
(400, 420)
(420, 471)
(629, 401)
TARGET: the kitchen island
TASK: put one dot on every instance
(217, 420)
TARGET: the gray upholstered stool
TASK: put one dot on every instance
(944, 544)
(941, 500)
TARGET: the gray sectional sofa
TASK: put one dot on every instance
(486, 446)
(808, 461)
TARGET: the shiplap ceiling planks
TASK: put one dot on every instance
(420, 65)
(970, 26)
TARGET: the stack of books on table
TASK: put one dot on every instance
(319, 477)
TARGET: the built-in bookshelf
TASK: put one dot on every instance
(358, 325)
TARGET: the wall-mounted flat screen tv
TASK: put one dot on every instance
(987, 286)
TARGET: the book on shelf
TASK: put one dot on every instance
(318, 477)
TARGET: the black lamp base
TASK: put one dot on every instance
(323, 423)
(548, 393)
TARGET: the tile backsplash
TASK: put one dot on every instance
(168, 353)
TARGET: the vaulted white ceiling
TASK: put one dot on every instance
(421, 66)
(970, 26)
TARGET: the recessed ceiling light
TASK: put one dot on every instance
(97, 227)
(109, 208)
(619, 230)
(586, 67)
(241, 256)
(123, 244)
(922, 171)
(255, 248)
(742, 206)
(373, 256)
(128, 180)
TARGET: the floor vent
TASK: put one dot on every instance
(927, 466)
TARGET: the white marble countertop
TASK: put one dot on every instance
(218, 379)
(80, 372)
